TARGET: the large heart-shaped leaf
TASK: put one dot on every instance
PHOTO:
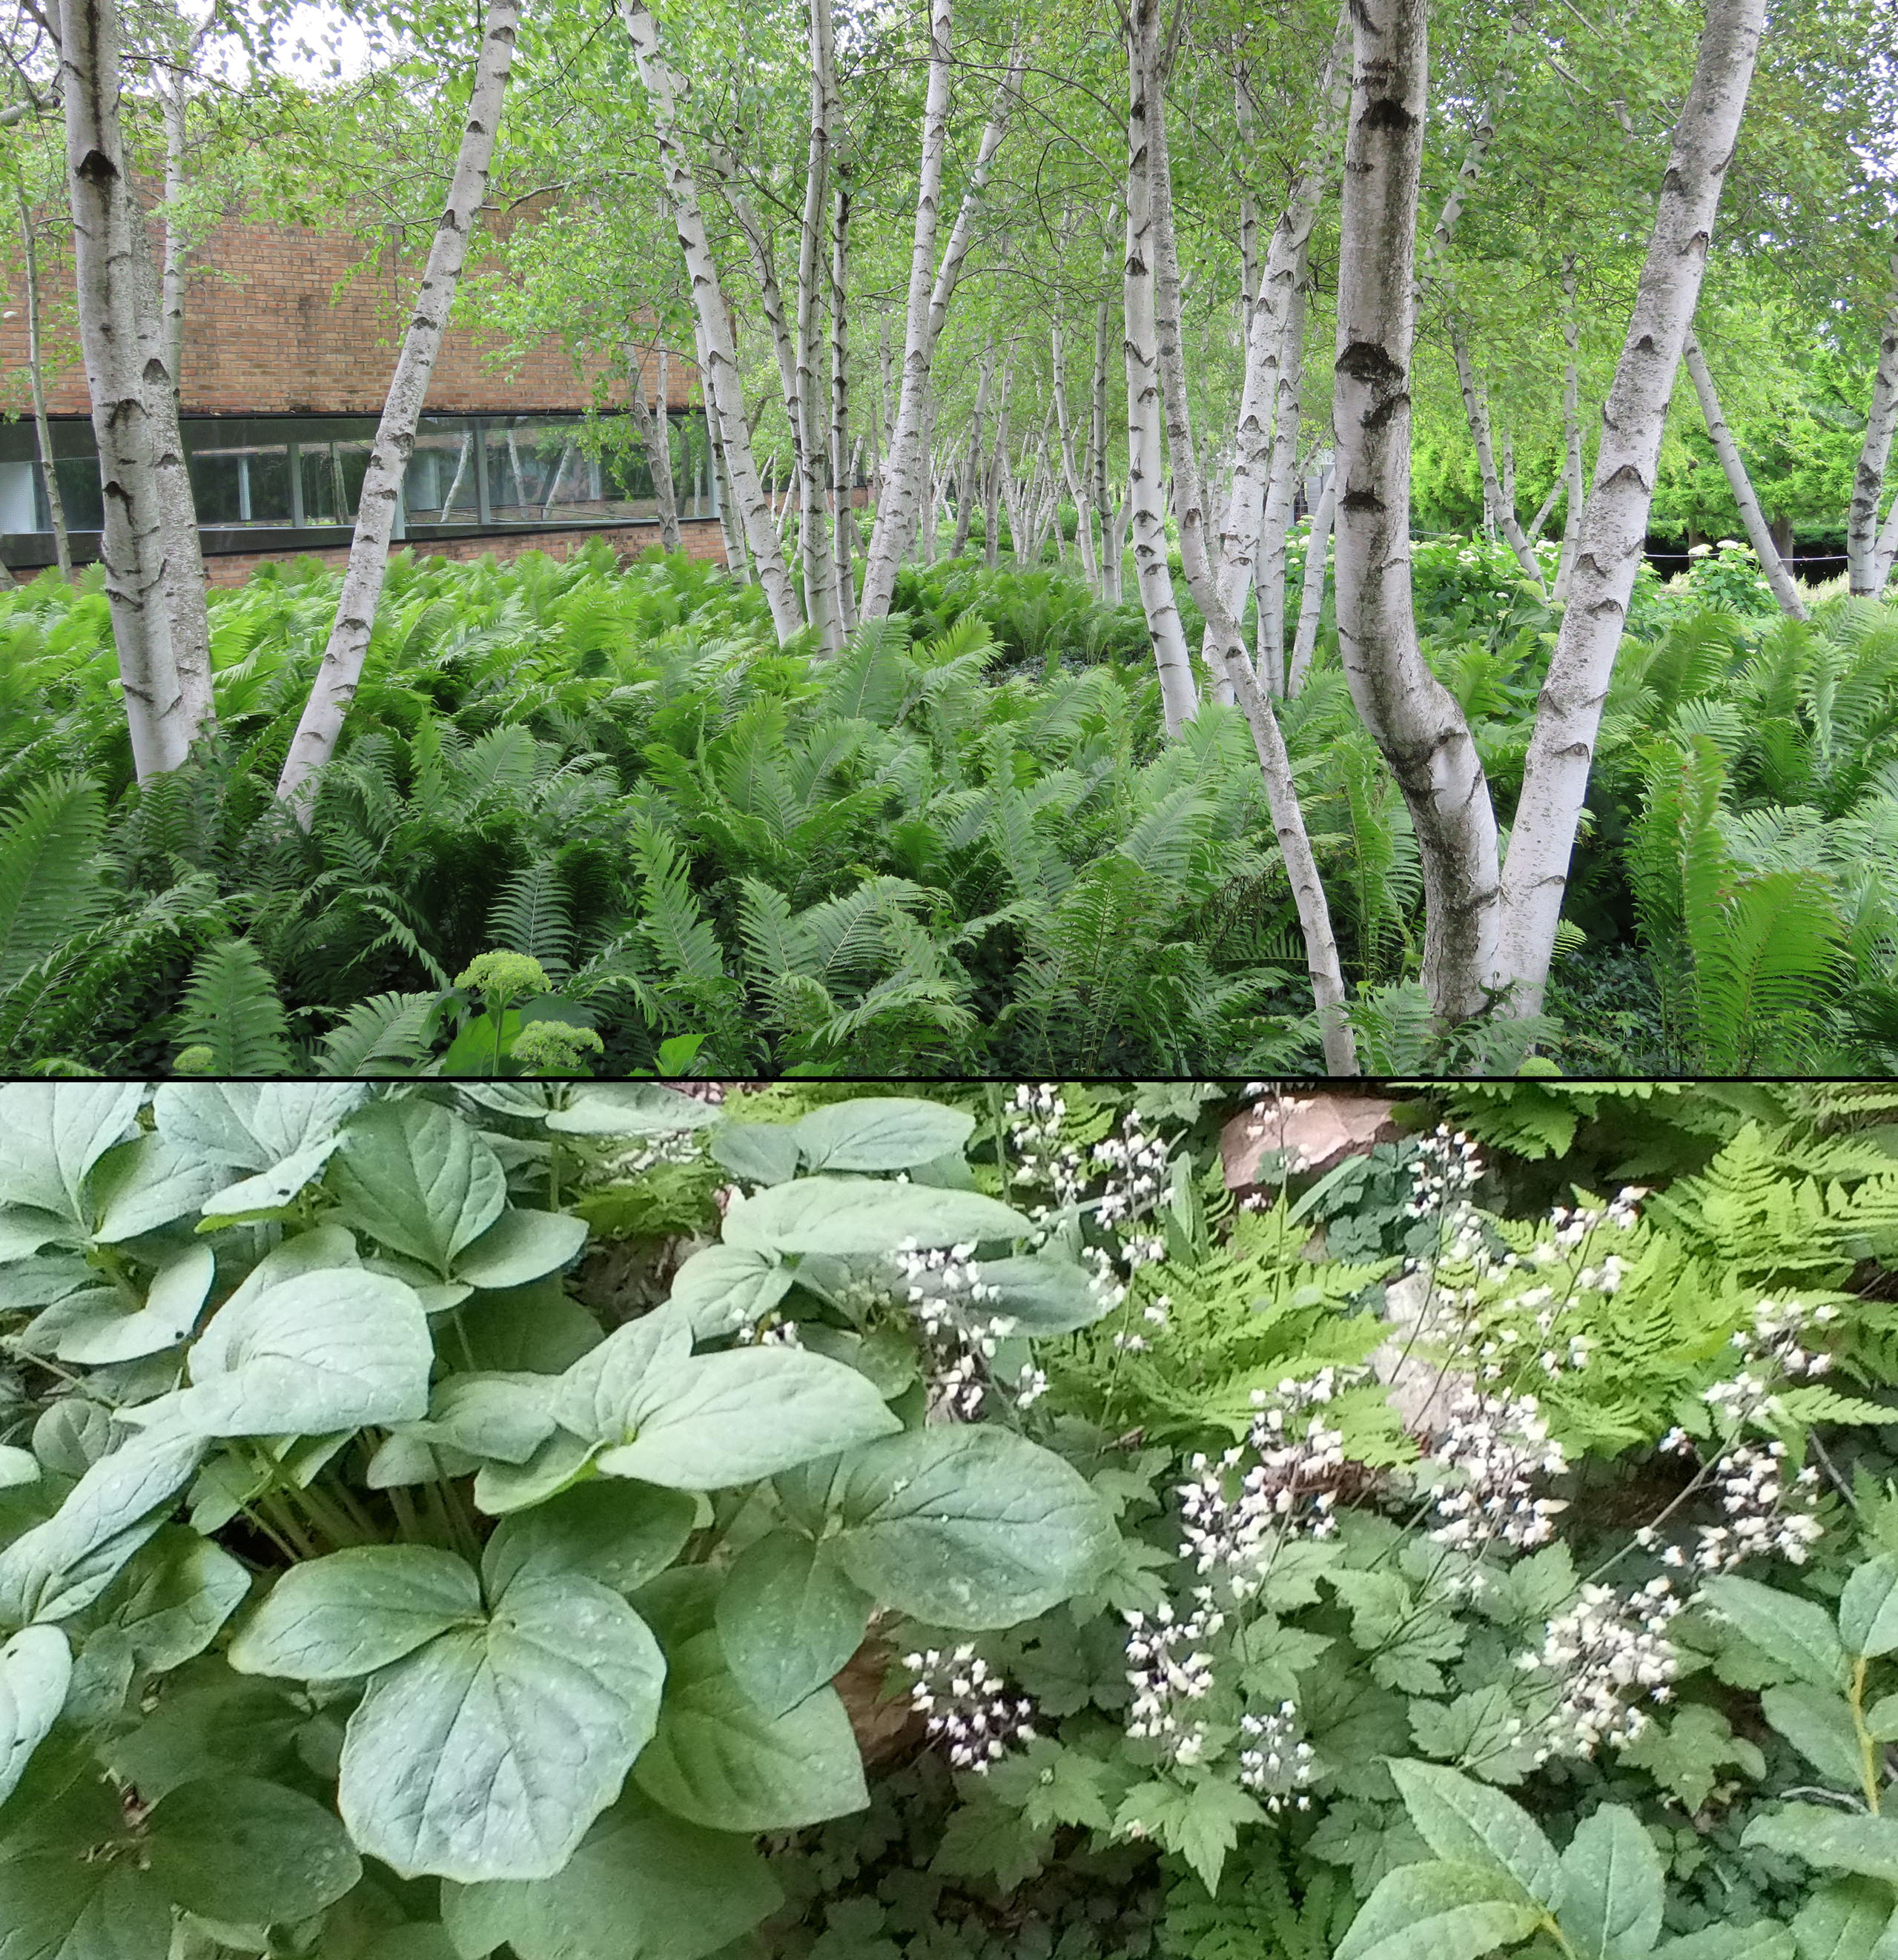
(52, 1133)
(249, 1852)
(328, 1351)
(968, 1527)
(520, 1246)
(487, 1754)
(632, 1109)
(348, 1615)
(877, 1133)
(621, 1534)
(722, 1288)
(595, 1396)
(55, 1907)
(249, 1126)
(113, 1332)
(417, 1180)
(35, 1667)
(788, 1618)
(644, 1885)
(857, 1217)
(719, 1760)
(181, 1589)
(144, 1186)
(718, 1420)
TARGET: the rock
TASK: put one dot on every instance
(1320, 1129)
(886, 1731)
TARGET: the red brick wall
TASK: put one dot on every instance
(266, 332)
(698, 538)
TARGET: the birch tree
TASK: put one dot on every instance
(1614, 522)
(1867, 557)
(319, 730)
(35, 381)
(654, 427)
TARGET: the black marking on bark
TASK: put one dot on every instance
(1365, 361)
(1385, 112)
(96, 167)
(1361, 500)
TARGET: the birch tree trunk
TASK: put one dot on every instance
(655, 432)
(1282, 484)
(1571, 433)
(1311, 600)
(738, 562)
(1614, 522)
(35, 377)
(1502, 507)
(842, 461)
(1414, 719)
(1883, 552)
(1146, 460)
(170, 83)
(814, 275)
(314, 743)
(1108, 511)
(718, 355)
(994, 472)
(1868, 477)
(153, 586)
(1777, 577)
(1071, 475)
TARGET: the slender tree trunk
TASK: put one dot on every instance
(1070, 475)
(1147, 126)
(1097, 447)
(36, 378)
(1146, 459)
(719, 354)
(1502, 507)
(1572, 432)
(1281, 283)
(1884, 552)
(1414, 719)
(1758, 535)
(1614, 522)
(163, 663)
(995, 472)
(738, 562)
(1282, 484)
(170, 82)
(814, 275)
(1248, 212)
(654, 431)
(314, 744)
(1868, 478)
(842, 462)
(1311, 604)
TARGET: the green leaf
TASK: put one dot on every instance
(249, 1126)
(788, 1619)
(852, 1218)
(52, 1133)
(644, 1885)
(1199, 1821)
(1480, 1732)
(418, 1180)
(504, 1417)
(54, 1907)
(328, 1351)
(1834, 1840)
(1797, 1634)
(248, 1851)
(36, 1668)
(1818, 1723)
(721, 1289)
(181, 1588)
(147, 1184)
(1467, 1823)
(59, 1567)
(621, 1534)
(632, 1109)
(520, 1246)
(719, 1420)
(968, 1526)
(267, 1194)
(719, 1760)
(1043, 1294)
(488, 1753)
(881, 1133)
(1684, 1754)
(1845, 1920)
(335, 1618)
(177, 1294)
(1613, 1889)
(983, 1839)
(561, 1462)
(756, 1153)
(597, 1391)
(1868, 1607)
(1764, 1939)
(1439, 1911)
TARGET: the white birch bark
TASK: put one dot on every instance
(1146, 459)
(737, 561)
(36, 378)
(813, 447)
(1614, 522)
(654, 430)
(718, 351)
(1758, 534)
(1071, 474)
(1282, 485)
(1572, 432)
(1501, 507)
(146, 589)
(320, 727)
(1869, 475)
(1414, 719)
(1311, 598)
(843, 463)
(1884, 552)
(1108, 511)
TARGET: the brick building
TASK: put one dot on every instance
(291, 335)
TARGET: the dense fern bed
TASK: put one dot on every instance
(961, 846)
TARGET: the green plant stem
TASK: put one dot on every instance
(460, 1519)
(1868, 1746)
(407, 1525)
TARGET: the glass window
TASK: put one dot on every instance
(331, 474)
(241, 486)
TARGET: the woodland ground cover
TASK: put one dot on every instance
(1159, 1549)
(961, 846)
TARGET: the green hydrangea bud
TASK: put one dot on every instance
(554, 1047)
(504, 976)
